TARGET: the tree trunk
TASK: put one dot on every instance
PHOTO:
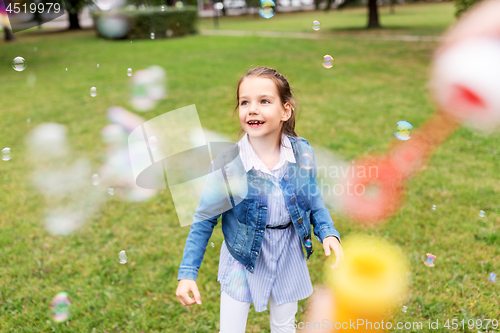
(373, 14)
(74, 24)
(9, 36)
(316, 4)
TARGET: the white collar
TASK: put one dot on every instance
(250, 158)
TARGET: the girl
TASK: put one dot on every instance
(261, 257)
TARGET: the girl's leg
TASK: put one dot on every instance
(282, 316)
(233, 314)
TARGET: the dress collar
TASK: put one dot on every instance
(251, 160)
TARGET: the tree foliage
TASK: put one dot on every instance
(464, 5)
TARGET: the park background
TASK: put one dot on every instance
(379, 77)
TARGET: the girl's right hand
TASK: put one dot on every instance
(184, 288)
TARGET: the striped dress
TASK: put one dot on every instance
(281, 267)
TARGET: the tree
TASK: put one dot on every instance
(462, 5)
(373, 21)
(74, 7)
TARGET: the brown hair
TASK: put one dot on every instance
(284, 92)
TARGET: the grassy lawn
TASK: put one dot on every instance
(351, 109)
(411, 19)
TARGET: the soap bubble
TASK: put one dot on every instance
(129, 72)
(179, 5)
(97, 65)
(93, 92)
(123, 257)
(111, 191)
(481, 213)
(211, 244)
(308, 243)
(95, 179)
(328, 61)
(405, 308)
(113, 26)
(267, 8)
(6, 154)
(403, 131)
(60, 307)
(19, 64)
(434, 207)
(162, 8)
(152, 35)
(316, 25)
(492, 277)
(306, 161)
(429, 262)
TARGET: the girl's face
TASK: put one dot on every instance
(260, 108)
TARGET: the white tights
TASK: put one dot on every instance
(234, 314)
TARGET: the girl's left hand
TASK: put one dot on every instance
(331, 242)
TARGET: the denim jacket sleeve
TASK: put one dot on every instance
(320, 216)
(199, 234)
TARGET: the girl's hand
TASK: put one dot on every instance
(184, 287)
(331, 242)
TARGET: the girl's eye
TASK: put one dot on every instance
(265, 101)
(244, 103)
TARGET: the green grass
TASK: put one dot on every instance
(412, 19)
(351, 109)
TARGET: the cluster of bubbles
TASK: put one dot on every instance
(403, 131)
(328, 61)
(122, 257)
(61, 307)
(267, 8)
(19, 64)
(148, 87)
(429, 262)
(316, 25)
(93, 91)
(70, 197)
(481, 213)
(6, 154)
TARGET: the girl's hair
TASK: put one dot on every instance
(284, 92)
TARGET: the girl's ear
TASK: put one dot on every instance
(287, 113)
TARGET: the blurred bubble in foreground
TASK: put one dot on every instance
(61, 307)
(429, 262)
(481, 213)
(19, 64)
(405, 308)
(123, 257)
(129, 72)
(6, 154)
(179, 5)
(111, 191)
(328, 61)
(148, 87)
(95, 179)
(152, 35)
(108, 4)
(113, 26)
(70, 197)
(267, 8)
(93, 91)
(316, 25)
(403, 131)
(434, 207)
(492, 277)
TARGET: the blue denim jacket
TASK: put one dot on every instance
(244, 224)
